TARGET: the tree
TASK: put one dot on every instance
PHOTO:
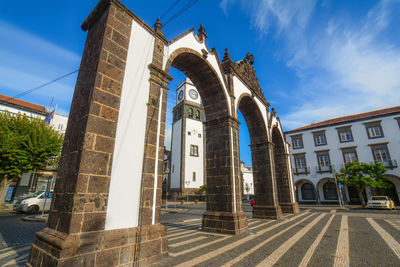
(26, 144)
(361, 175)
(202, 188)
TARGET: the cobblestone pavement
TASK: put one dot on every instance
(311, 238)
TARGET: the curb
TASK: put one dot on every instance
(35, 218)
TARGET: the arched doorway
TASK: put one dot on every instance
(224, 190)
(283, 180)
(329, 190)
(265, 190)
(391, 192)
(305, 191)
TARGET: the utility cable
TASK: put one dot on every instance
(169, 9)
(181, 11)
(45, 84)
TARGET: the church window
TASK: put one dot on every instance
(194, 150)
(190, 113)
(194, 177)
(198, 114)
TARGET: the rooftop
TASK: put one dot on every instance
(349, 118)
(27, 106)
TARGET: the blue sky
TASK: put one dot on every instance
(315, 60)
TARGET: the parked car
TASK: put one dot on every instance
(34, 203)
(380, 202)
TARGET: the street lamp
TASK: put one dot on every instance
(187, 184)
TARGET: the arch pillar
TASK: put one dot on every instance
(224, 191)
(84, 228)
(266, 192)
(287, 188)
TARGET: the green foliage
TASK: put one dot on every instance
(361, 175)
(203, 188)
(26, 144)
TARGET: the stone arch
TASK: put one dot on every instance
(300, 191)
(205, 79)
(323, 190)
(282, 171)
(222, 153)
(392, 192)
(264, 183)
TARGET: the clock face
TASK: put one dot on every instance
(180, 95)
(193, 94)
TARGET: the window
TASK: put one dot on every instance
(307, 192)
(324, 163)
(199, 135)
(198, 114)
(374, 129)
(319, 138)
(297, 141)
(190, 113)
(173, 169)
(189, 133)
(300, 163)
(330, 192)
(345, 134)
(398, 121)
(381, 154)
(349, 154)
(194, 150)
(194, 177)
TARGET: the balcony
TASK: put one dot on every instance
(390, 164)
(322, 169)
(298, 171)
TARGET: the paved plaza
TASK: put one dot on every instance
(315, 237)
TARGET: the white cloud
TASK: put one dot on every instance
(345, 65)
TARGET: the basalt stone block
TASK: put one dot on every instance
(290, 207)
(224, 222)
(267, 212)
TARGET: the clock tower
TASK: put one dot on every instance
(187, 142)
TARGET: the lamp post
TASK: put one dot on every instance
(187, 196)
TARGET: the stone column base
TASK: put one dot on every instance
(225, 222)
(101, 248)
(290, 207)
(267, 212)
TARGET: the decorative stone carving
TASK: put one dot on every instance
(202, 36)
(245, 71)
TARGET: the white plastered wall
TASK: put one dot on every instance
(176, 148)
(124, 194)
(194, 164)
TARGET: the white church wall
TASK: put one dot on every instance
(194, 164)
(176, 146)
(127, 165)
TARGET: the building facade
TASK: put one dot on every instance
(320, 149)
(247, 179)
(187, 141)
(38, 181)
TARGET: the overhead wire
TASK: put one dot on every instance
(181, 11)
(169, 9)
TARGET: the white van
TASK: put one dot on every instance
(34, 203)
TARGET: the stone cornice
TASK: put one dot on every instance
(159, 76)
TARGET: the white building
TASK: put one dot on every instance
(247, 179)
(320, 149)
(187, 142)
(30, 181)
